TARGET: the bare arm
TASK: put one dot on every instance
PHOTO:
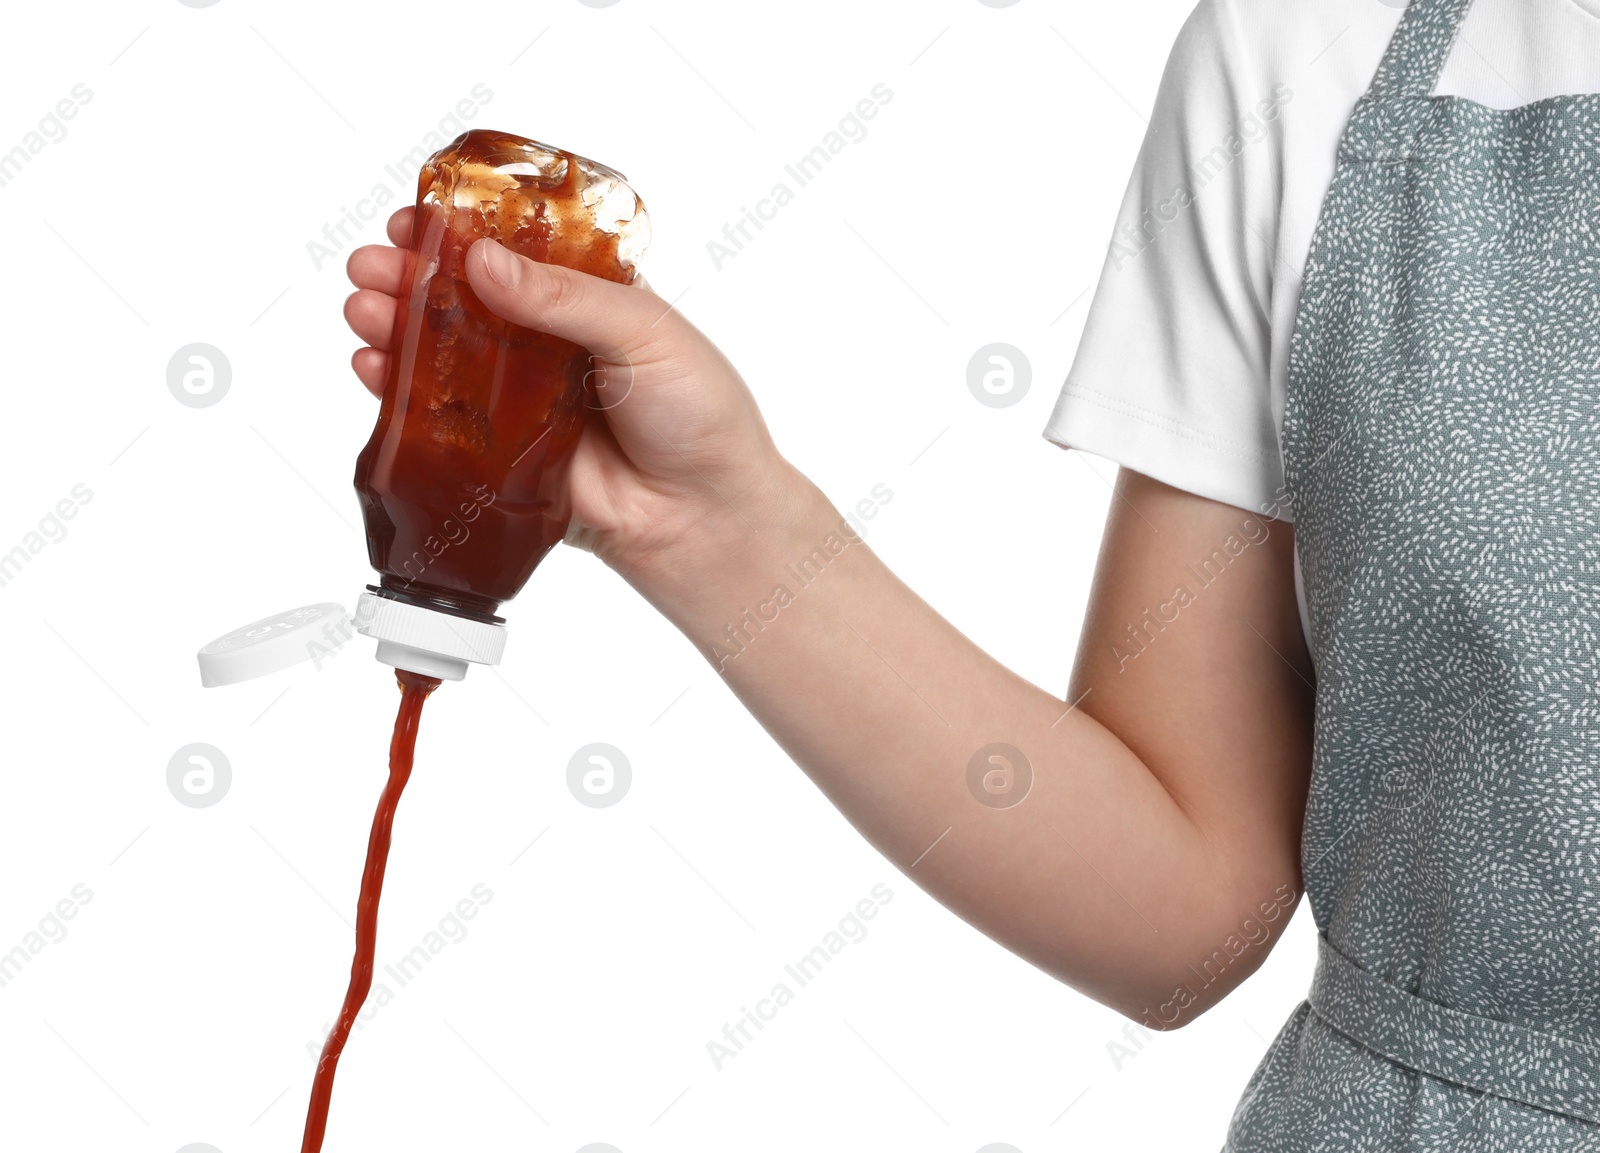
(1160, 833)
(1162, 825)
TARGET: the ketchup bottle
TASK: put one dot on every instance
(463, 484)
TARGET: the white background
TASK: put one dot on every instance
(179, 1005)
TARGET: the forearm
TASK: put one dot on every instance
(1121, 872)
(1098, 876)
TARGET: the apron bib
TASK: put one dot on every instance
(1442, 455)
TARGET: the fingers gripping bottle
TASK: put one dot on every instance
(463, 483)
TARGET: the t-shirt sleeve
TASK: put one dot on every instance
(1173, 375)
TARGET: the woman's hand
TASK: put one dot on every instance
(677, 443)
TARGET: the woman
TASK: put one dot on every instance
(1346, 348)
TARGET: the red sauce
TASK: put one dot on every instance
(463, 483)
(414, 689)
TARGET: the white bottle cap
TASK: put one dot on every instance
(427, 641)
(275, 643)
(419, 640)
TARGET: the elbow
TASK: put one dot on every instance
(1149, 1003)
(1166, 1011)
(1204, 982)
(1190, 979)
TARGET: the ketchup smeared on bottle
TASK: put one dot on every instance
(414, 689)
(463, 483)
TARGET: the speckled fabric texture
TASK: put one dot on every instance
(1442, 456)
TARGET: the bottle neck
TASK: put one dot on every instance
(473, 608)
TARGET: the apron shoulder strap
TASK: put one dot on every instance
(1420, 48)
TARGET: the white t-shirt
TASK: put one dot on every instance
(1182, 369)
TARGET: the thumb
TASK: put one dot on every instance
(611, 320)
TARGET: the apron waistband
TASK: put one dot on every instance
(1495, 1057)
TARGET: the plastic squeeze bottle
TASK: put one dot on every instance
(463, 483)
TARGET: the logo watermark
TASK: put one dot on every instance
(1133, 239)
(51, 529)
(51, 930)
(398, 180)
(52, 129)
(199, 776)
(1254, 932)
(999, 375)
(599, 775)
(451, 533)
(450, 930)
(800, 575)
(851, 129)
(1000, 776)
(1137, 638)
(851, 930)
(199, 375)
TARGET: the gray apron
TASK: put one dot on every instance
(1442, 456)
